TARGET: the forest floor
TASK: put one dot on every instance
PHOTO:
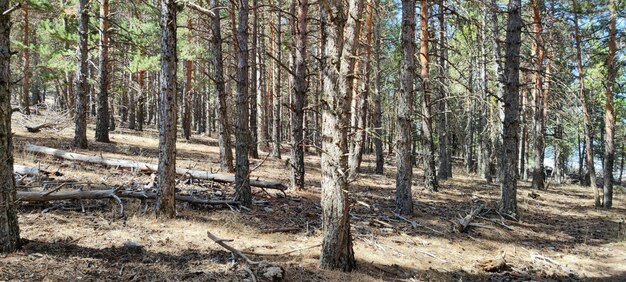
(560, 236)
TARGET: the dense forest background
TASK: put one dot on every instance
(323, 100)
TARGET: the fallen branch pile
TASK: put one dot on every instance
(149, 168)
(113, 194)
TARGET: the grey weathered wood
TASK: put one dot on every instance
(146, 167)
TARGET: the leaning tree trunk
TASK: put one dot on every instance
(588, 122)
(242, 171)
(25, 101)
(342, 35)
(609, 116)
(9, 229)
(404, 137)
(430, 177)
(226, 153)
(510, 137)
(82, 85)
(102, 118)
(298, 97)
(166, 204)
(537, 93)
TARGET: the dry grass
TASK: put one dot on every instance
(560, 237)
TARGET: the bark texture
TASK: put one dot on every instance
(341, 38)
(102, 118)
(226, 152)
(9, 229)
(298, 98)
(166, 204)
(428, 146)
(510, 137)
(609, 116)
(81, 83)
(404, 136)
(242, 130)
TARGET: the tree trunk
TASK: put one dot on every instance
(609, 116)
(445, 160)
(298, 98)
(226, 154)
(187, 96)
(276, 128)
(342, 40)
(25, 101)
(242, 171)
(510, 137)
(102, 118)
(588, 123)
(361, 106)
(537, 93)
(9, 229)
(430, 176)
(141, 105)
(166, 204)
(82, 85)
(263, 92)
(377, 117)
(404, 136)
(254, 83)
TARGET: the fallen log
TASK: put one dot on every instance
(37, 128)
(29, 171)
(464, 222)
(149, 168)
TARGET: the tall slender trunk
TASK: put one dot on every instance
(188, 91)
(586, 111)
(445, 160)
(361, 106)
(537, 93)
(262, 94)
(342, 35)
(165, 205)
(242, 137)
(430, 176)
(510, 137)
(404, 136)
(9, 229)
(102, 118)
(141, 98)
(298, 97)
(496, 106)
(25, 101)
(254, 82)
(226, 153)
(82, 85)
(377, 116)
(609, 116)
(276, 128)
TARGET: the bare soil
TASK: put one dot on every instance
(561, 236)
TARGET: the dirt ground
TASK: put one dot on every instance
(560, 236)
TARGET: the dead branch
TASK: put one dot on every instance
(149, 168)
(464, 222)
(236, 253)
(38, 128)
